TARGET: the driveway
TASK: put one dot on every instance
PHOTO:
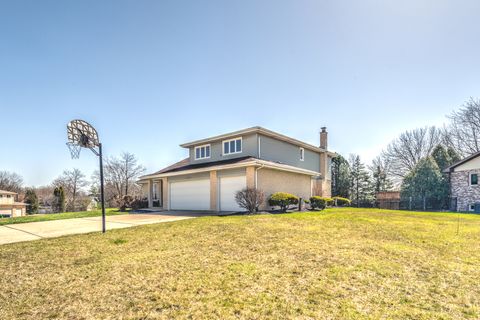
(56, 228)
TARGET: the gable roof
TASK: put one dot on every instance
(459, 163)
(7, 192)
(251, 130)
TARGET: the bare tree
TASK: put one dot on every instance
(121, 175)
(464, 130)
(10, 181)
(72, 182)
(409, 148)
(250, 199)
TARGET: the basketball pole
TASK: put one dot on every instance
(102, 189)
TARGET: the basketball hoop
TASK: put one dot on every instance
(80, 135)
(74, 150)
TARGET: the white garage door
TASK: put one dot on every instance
(190, 195)
(228, 186)
(5, 212)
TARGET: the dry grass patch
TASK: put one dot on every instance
(339, 264)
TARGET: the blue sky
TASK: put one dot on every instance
(153, 74)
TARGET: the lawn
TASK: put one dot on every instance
(337, 264)
(58, 216)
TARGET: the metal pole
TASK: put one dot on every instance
(102, 189)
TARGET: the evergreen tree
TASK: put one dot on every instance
(59, 200)
(454, 156)
(441, 157)
(31, 200)
(381, 182)
(340, 177)
(361, 187)
(424, 182)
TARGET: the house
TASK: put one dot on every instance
(218, 167)
(464, 183)
(9, 207)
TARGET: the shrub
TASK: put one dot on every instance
(250, 199)
(283, 200)
(341, 202)
(321, 203)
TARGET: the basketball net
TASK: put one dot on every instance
(74, 150)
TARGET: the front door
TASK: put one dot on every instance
(157, 194)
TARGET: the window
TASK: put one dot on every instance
(202, 152)
(472, 207)
(302, 154)
(473, 179)
(232, 146)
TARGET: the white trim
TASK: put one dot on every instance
(230, 140)
(199, 147)
(302, 154)
(259, 148)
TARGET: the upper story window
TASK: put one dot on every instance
(302, 154)
(232, 146)
(202, 152)
(474, 179)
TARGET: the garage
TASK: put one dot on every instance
(228, 187)
(190, 195)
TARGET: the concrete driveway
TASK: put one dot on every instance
(56, 228)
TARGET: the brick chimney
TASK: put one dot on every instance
(324, 138)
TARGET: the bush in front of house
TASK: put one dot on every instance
(250, 199)
(283, 200)
(341, 202)
(320, 203)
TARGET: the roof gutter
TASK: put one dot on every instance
(257, 163)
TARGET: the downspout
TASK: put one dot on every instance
(256, 174)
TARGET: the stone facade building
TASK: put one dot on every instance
(465, 183)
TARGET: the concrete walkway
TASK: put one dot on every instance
(56, 228)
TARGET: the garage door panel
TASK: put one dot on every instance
(190, 195)
(228, 187)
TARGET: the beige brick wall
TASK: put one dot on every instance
(213, 190)
(250, 172)
(271, 181)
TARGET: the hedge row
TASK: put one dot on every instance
(285, 200)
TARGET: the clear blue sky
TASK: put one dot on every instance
(153, 74)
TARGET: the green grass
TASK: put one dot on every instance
(58, 216)
(337, 264)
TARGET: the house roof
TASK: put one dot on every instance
(459, 163)
(7, 192)
(256, 129)
(183, 167)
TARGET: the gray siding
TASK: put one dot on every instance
(287, 153)
(270, 149)
(249, 148)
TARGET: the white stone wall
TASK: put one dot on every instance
(462, 190)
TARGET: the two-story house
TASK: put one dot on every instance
(465, 183)
(218, 167)
(9, 207)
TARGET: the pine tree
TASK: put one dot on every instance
(361, 187)
(381, 182)
(59, 201)
(425, 182)
(340, 177)
(31, 200)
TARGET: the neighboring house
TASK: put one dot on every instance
(465, 184)
(8, 206)
(219, 166)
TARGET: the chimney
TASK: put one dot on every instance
(324, 138)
